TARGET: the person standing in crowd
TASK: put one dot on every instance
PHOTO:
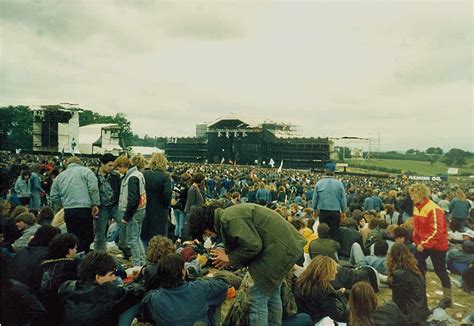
(259, 238)
(23, 187)
(158, 194)
(35, 184)
(195, 197)
(132, 204)
(430, 235)
(77, 190)
(109, 190)
(459, 208)
(329, 199)
(181, 191)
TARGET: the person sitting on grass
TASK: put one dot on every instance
(177, 302)
(95, 299)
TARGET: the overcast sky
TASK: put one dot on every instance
(400, 69)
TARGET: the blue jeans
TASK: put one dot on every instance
(301, 319)
(357, 255)
(134, 228)
(265, 309)
(100, 227)
(180, 221)
(126, 317)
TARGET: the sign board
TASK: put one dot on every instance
(427, 178)
(453, 170)
(342, 165)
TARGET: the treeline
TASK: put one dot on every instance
(16, 128)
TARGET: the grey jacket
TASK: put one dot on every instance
(76, 187)
(22, 242)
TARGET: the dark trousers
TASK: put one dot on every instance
(80, 222)
(332, 219)
(438, 258)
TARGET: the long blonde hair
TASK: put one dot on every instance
(158, 162)
(460, 195)
(318, 274)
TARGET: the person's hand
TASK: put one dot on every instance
(95, 210)
(342, 290)
(220, 259)
(420, 248)
(124, 222)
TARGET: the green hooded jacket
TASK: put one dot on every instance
(261, 239)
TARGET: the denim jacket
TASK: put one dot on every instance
(329, 194)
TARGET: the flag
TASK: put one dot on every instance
(271, 163)
(281, 167)
(222, 161)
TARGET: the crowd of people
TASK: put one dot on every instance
(301, 247)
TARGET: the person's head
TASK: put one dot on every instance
(390, 230)
(392, 193)
(201, 221)
(122, 164)
(25, 175)
(97, 267)
(455, 225)
(34, 211)
(299, 226)
(107, 162)
(401, 234)
(43, 236)
(389, 208)
(373, 224)
(53, 173)
(418, 192)
(319, 274)
(24, 221)
(380, 248)
(158, 162)
(73, 160)
(460, 194)
(323, 231)
(185, 178)
(63, 246)
(362, 303)
(198, 179)
(45, 214)
(138, 161)
(360, 219)
(170, 271)
(330, 168)
(159, 247)
(400, 256)
(17, 211)
(235, 197)
(6, 208)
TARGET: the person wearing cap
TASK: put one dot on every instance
(329, 199)
(26, 224)
(77, 190)
(109, 191)
(460, 257)
(430, 236)
(256, 237)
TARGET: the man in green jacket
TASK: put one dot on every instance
(256, 237)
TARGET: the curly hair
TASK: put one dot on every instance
(60, 245)
(419, 189)
(139, 161)
(399, 257)
(158, 162)
(159, 247)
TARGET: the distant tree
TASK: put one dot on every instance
(434, 151)
(16, 128)
(411, 151)
(456, 156)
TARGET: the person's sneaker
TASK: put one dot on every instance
(373, 276)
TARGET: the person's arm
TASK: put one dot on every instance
(93, 188)
(243, 241)
(216, 290)
(54, 194)
(335, 307)
(315, 198)
(133, 198)
(435, 218)
(343, 199)
(167, 193)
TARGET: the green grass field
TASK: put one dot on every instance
(419, 167)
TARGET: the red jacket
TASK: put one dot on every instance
(430, 228)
